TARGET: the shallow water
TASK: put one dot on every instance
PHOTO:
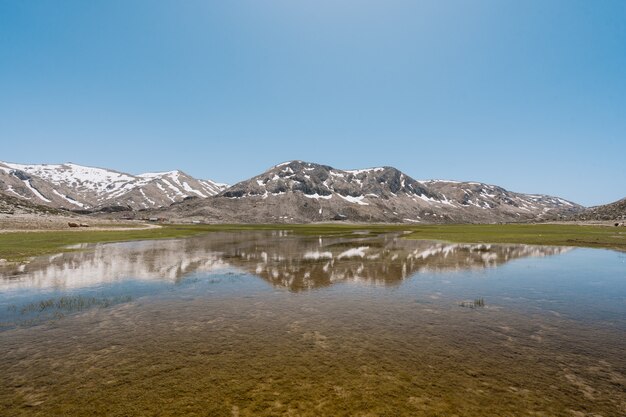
(255, 323)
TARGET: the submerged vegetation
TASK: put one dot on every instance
(56, 308)
(20, 246)
(70, 304)
(479, 302)
(310, 356)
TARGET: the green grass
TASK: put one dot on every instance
(532, 234)
(20, 246)
(23, 245)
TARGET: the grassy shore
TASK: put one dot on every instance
(19, 246)
(532, 234)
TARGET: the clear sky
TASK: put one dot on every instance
(529, 95)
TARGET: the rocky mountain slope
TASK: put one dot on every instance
(13, 205)
(19, 214)
(612, 211)
(76, 187)
(300, 192)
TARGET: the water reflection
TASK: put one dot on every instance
(301, 264)
(295, 262)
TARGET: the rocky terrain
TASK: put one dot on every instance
(18, 206)
(301, 192)
(614, 211)
(80, 188)
(17, 214)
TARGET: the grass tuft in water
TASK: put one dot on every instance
(477, 303)
(70, 304)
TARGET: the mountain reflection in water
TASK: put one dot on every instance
(294, 262)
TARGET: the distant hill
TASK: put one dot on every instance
(76, 187)
(612, 211)
(302, 192)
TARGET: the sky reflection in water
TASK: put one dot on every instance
(583, 283)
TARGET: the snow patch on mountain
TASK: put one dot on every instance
(357, 200)
(68, 199)
(35, 191)
(96, 179)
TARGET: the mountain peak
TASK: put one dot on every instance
(297, 164)
(323, 181)
(160, 174)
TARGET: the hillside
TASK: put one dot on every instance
(611, 211)
(17, 206)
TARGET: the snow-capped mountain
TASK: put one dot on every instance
(321, 182)
(486, 196)
(300, 191)
(291, 192)
(78, 187)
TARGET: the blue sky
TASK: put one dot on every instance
(530, 95)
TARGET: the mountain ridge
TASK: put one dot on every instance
(299, 191)
(290, 192)
(77, 187)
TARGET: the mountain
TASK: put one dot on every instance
(292, 192)
(301, 192)
(612, 211)
(77, 187)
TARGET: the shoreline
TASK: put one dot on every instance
(18, 245)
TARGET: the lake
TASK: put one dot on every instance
(273, 323)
